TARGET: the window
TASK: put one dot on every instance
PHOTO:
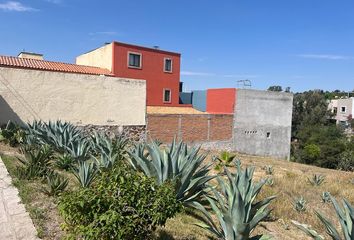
(343, 109)
(335, 110)
(168, 65)
(134, 60)
(167, 95)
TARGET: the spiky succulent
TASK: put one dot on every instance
(180, 164)
(36, 162)
(56, 184)
(316, 180)
(85, 173)
(326, 197)
(269, 170)
(345, 216)
(64, 162)
(236, 212)
(55, 133)
(300, 204)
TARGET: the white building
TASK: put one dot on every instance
(343, 109)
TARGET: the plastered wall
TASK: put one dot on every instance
(79, 98)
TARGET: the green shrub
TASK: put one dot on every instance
(120, 204)
(346, 161)
(12, 134)
(312, 151)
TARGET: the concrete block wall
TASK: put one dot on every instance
(262, 123)
(190, 127)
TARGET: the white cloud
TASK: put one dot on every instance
(202, 74)
(15, 6)
(325, 56)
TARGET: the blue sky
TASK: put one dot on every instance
(303, 44)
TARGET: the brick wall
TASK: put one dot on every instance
(190, 127)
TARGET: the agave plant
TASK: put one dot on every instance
(225, 159)
(85, 173)
(269, 170)
(326, 197)
(236, 210)
(179, 164)
(80, 149)
(104, 145)
(64, 162)
(300, 204)
(36, 162)
(269, 181)
(346, 219)
(316, 180)
(55, 133)
(56, 184)
(106, 161)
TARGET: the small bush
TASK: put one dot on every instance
(12, 134)
(120, 204)
(346, 161)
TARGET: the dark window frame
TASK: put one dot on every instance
(134, 65)
(165, 65)
(164, 95)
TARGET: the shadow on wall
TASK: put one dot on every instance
(7, 113)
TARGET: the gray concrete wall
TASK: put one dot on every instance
(262, 123)
(82, 99)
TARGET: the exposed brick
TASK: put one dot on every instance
(190, 127)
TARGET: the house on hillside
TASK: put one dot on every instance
(343, 109)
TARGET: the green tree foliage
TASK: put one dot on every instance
(317, 140)
(275, 88)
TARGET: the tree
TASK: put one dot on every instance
(275, 88)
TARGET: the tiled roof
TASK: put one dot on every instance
(17, 62)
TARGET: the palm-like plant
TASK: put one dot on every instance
(234, 206)
(178, 163)
(346, 219)
(85, 173)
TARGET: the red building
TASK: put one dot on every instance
(221, 100)
(160, 69)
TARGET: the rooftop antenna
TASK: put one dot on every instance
(244, 83)
(156, 47)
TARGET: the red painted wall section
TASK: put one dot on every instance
(221, 100)
(152, 71)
